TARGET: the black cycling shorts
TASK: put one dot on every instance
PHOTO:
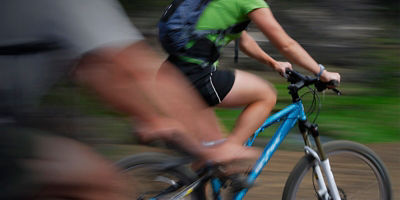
(212, 84)
(215, 86)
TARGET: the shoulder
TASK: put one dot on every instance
(246, 6)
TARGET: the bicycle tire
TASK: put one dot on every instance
(150, 161)
(342, 148)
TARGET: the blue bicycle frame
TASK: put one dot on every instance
(290, 115)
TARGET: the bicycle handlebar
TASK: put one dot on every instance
(299, 81)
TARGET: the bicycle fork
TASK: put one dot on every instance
(322, 162)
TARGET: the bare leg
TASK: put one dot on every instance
(129, 83)
(257, 95)
(167, 107)
(188, 105)
(63, 168)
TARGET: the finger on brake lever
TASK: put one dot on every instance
(285, 75)
(334, 84)
(287, 72)
(337, 91)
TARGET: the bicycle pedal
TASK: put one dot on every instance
(239, 182)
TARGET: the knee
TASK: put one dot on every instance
(268, 95)
(86, 167)
(92, 175)
(273, 95)
(144, 137)
(64, 162)
(92, 179)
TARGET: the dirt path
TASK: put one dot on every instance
(271, 182)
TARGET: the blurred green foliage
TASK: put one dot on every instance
(368, 111)
(362, 118)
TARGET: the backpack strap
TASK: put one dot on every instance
(213, 48)
(237, 28)
(236, 57)
(234, 29)
(170, 10)
(188, 32)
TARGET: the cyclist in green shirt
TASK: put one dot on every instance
(224, 88)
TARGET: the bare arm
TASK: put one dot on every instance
(267, 23)
(250, 47)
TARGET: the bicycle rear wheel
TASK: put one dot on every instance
(148, 178)
(359, 174)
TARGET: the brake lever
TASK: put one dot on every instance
(336, 91)
(335, 83)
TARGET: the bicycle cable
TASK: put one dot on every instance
(315, 104)
(313, 182)
(319, 106)
(316, 101)
(309, 110)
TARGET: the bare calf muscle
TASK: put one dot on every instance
(65, 168)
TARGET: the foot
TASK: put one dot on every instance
(158, 129)
(229, 155)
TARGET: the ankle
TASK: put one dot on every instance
(214, 142)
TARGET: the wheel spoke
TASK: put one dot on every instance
(358, 173)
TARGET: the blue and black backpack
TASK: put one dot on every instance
(177, 25)
(177, 28)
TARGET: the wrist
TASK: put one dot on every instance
(273, 64)
(320, 72)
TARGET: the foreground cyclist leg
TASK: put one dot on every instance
(63, 168)
(164, 112)
(39, 45)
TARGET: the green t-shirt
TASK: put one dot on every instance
(222, 14)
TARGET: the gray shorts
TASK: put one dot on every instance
(40, 41)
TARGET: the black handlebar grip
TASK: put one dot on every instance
(333, 83)
(321, 86)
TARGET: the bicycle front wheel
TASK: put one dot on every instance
(359, 174)
(150, 180)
